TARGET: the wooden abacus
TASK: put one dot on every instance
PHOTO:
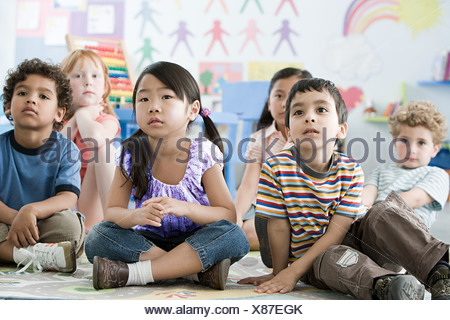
(114, 55)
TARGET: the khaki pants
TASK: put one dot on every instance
(388, 237)
(65, 225)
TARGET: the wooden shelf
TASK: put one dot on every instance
(376, 119)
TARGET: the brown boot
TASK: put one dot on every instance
(109, 274)
(216, 276)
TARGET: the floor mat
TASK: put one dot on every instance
(78, 286)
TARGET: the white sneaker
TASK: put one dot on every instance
(49, 256)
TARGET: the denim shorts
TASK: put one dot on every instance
(213, 243)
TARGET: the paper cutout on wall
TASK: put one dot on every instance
(352, 97)
(56, 29)
(352, 57)
(40, 19)
(182, 33)
(282, 2)
(70, 5)
(217, 32)
(79, 22)
(147, 52)
(285, 32)
(100, 19)
(257, 3)
(251, 32)
(262, 71)
(418, 15)
(214, 74)
(147, 16)
(211, 2)
(28, 15)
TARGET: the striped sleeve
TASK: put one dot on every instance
(351, 204)
(374, 177)
(270, 202)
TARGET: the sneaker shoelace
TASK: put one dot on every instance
(47, 258)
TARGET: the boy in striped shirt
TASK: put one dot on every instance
(311, 196)
(417, 129)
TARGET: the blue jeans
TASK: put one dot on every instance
(213, 243)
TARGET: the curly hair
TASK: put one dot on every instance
(419, 113)
(44, 69)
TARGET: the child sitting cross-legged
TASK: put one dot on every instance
(183, 223)
(39, 172)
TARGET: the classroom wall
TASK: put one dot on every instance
(369, 46)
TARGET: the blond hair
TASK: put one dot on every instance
(74, 56)
(419, 113)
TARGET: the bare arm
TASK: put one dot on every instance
(369, 195)
(416, 198)
(70, 129)
(7, 214)
(248, 188)
(94, 133)
(279, 233)
(286, 279)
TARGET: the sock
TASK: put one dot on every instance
(192, 277)
(140, 273)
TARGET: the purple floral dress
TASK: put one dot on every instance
(203, 155)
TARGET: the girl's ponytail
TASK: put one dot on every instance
(211, 132)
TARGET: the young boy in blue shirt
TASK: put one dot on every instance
(317, 229)
(39, 172)
(417, 129)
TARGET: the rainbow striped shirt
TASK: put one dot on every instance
(288, 188)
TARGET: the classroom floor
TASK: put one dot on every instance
(53, 285)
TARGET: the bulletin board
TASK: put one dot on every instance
(115, 57)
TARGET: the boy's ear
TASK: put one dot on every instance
(7, 109)
(59, 116)
(342, 133)
(436, 149)
(194, 109)
(288, 134)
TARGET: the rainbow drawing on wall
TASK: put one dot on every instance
(417, 15)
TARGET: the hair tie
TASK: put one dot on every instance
(205, 112)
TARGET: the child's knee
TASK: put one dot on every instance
(94, 240)
(65, 225)
(4, 229)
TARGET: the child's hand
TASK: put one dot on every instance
(256, 281)
(149, 214)
(283, 282)
(92, 111)
(24, 231)
(171, 206)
